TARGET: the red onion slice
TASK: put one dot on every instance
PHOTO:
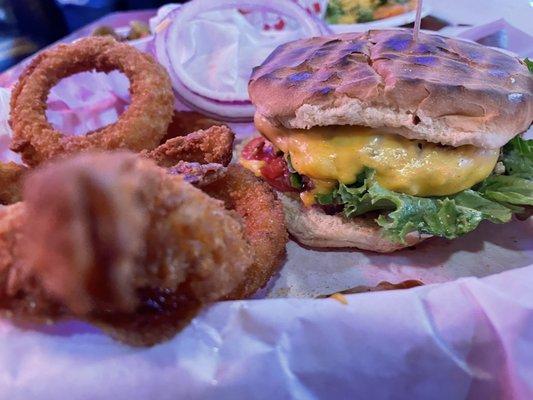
(227, 105)
(228, 111)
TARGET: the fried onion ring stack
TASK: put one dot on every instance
(140, 127)
(116, 240)
(123, 240)
(263, 224)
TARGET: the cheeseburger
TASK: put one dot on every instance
(376, 141)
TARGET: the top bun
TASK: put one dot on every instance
(437, 89)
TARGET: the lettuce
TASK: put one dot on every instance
(508, 190)
(518, 158)
(334, 12)
(529, 64)
(495, 199)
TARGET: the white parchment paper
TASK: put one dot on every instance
(488, 250)
(471, 338)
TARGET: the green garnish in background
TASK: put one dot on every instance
(529, 64)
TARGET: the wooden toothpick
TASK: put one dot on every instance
(416, 29)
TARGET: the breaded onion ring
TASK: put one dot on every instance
(132, 248)
(102, 226)
(115, 240)
(213, 145)
(141, 126)
(264, 224)
(11, 182)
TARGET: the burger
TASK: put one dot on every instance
(377, 141)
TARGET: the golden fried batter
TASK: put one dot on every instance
(20, 293)
(264, 224)
(141, 126)
(101, 227)
(213, 145)
(11, 182)
(12, 218)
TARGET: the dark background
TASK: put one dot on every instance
(28, 25)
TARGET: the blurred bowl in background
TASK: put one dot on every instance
(397, 20)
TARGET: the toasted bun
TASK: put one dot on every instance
(437, 89)
(311, 227)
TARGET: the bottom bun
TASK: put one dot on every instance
(312, 227)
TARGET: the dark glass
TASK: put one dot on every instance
(39, 20)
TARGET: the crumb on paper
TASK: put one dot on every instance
(339, 297)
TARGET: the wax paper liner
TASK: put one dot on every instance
(471, 338)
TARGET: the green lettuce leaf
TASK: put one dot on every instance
(518, 158)
(507, 189)
(334, 11)
(400, 214)
(495, 199)
(529, 64)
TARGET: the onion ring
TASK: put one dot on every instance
(121, 243)
(213, 145)
(11, 182)
(264, 224)
(100, 228)
(141, 126)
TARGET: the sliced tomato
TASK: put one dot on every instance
(254, 149)
(281, 184)
(276, 173)
(275, 170)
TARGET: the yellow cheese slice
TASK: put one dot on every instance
(415, 167)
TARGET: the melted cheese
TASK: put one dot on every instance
(418, 168)
(253, 165)
(320, 187)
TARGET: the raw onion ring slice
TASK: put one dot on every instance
(227, 105)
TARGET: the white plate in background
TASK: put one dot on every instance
(397, 20)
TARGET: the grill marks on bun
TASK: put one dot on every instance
(436, 89)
